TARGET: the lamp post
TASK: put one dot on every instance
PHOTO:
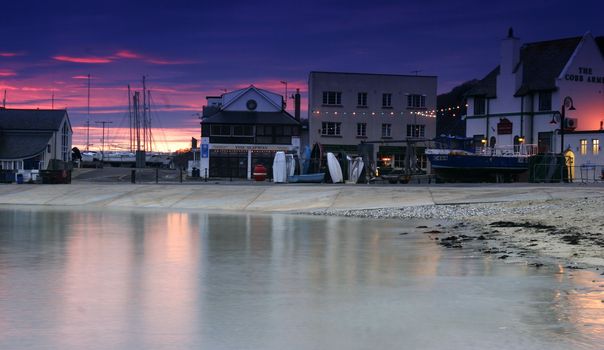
(567, 104)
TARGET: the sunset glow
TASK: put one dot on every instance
(190, 52)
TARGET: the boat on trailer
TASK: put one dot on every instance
(457, 160)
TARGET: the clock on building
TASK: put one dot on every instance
(251, 105)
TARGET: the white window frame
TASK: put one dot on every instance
(583, 146)
(416, 101)
(362, 99)
(362, 129)
(386, 100)
(416, 130)
(334, 96)
(331, 129)
(386, 130)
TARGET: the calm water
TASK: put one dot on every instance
(174, 280)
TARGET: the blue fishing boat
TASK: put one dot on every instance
(457, 161)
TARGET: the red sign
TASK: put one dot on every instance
(504, 127)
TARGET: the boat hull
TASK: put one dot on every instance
(478, 168)
(307, 178)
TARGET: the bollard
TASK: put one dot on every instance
(180, 175)
(133, 176)
(205, 176)
(156, 175)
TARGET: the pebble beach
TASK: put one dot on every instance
(568, 232)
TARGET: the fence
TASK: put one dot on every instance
(552, 172)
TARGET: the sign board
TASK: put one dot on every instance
(504, 127)
(205, 150)
(246, 147)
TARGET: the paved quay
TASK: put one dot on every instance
(282, 197)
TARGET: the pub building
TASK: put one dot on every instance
(243, 128)
(524, 98)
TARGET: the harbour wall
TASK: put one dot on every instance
(280, 198)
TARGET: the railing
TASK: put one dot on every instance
(587, 173)
(509, 150)
(552, 172)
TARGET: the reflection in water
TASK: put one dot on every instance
(123, 280)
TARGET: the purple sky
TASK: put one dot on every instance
(190, 49)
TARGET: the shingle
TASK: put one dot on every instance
(487, 86)
(19, 145)
(541, 63)
(31, 119)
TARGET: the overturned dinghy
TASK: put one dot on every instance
(307, 178)
(355, 170)
(335, 171)
(279, 168)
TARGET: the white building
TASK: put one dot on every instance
(31, 138)
(243, 128)
(522, 99)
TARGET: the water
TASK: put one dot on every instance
(177, 280)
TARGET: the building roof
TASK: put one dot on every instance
(25, 133)
(15, 145)
(247, 117)
(487, 86)
(31, 119)
(380, 74)
(541, 63)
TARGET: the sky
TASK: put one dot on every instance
(191, 49)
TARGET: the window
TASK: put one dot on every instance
(362, 99)
(330, 129)
(243, 130)
(65, 142)
(595, 146)
(416, 101)
(332, 98)
(362, 129)
(416, 130)
(479, 105)
(545, 101)
(583, 148)
(220, 130)
(386, 130)
(387, 100)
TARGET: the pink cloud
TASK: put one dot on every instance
(10, 54)
(128, 54)
(163, 61)
(7, 73)
(87, 60)
(79, 77)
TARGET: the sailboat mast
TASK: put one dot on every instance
(130, 124)
(149, 135)
(4, 100)
(136, 103)
(88, 119)
(144, 114)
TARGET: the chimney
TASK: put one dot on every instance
(510, 53)
(297, 105)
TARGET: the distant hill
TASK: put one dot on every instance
(449, 122)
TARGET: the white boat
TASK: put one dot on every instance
(355, 169)
(335, 171)
(290, 164)
(279, 168)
